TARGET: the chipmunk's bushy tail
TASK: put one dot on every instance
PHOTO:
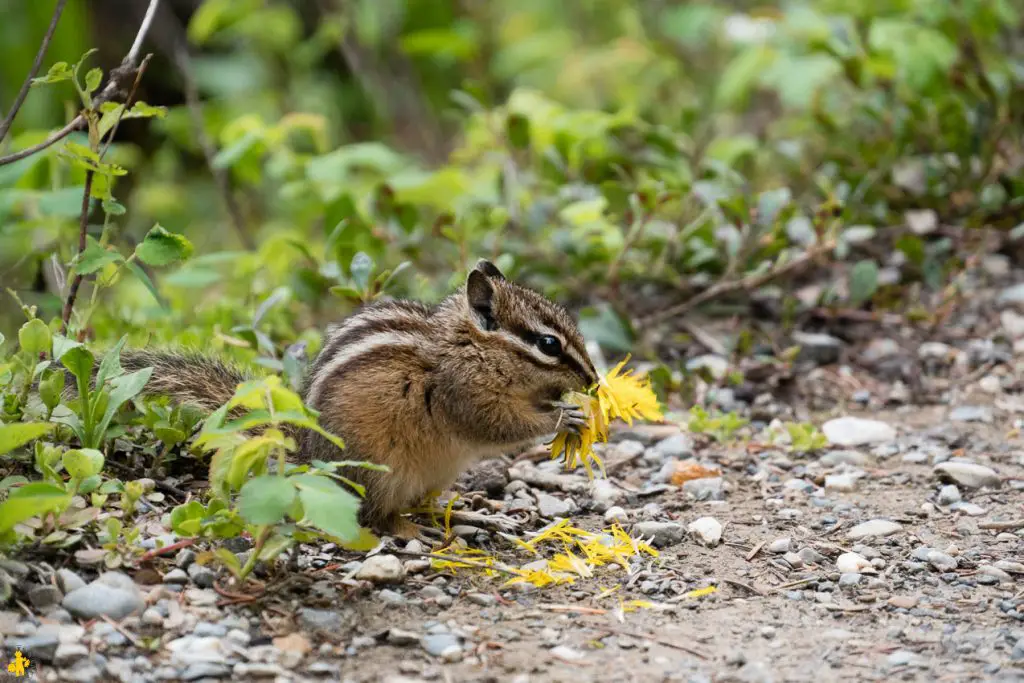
(188, 377)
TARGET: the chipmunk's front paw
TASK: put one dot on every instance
(571, 417)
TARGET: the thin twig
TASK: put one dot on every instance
(19, 99)
(83, 225)
(1009, 525)
(744, 284)
(133, 54)
(654, 639)
(195, 109)
(127, 104)
(67, 130)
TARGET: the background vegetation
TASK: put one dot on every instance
(621, 156)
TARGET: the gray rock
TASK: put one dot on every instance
(793, 560)
(204, 577)
(995, 572)
(1013, 324)
(967, 474)
(676, 446)
(716, 366)
(402, 638)
(780, 545)
(1012, 296)
(41, 646)
(857, 431)
(662, 534)
(941, 561)
(844, 482)
(855, 458)
(199, 670)
(177, 576)
(381, 569)
(42, 597)
(707, 488)
(550, 506)
(68, 580)
(605, 494)
(69, 653)
(971, 414)
(320, 620)
(616, 514)
(874, 527)
(184, 558)
(949, 494)
(81, 674)
(821, 349)
(482, 599)
(969, 509)
(880, 349)
(113, 595)
(445, 646)
(850, 579)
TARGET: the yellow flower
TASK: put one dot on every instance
(617, 395)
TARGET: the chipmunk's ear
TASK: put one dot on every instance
(489, 269)
(480, 296)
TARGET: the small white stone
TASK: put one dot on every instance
(856, 431)
(852, 563)
(381, 569)
(874, 527)
(780, 545)
(707, 530)
(616, 514)
(967, 474)
(844, 482)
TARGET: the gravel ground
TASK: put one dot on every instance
(894, 552)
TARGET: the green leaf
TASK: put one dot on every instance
(20, 433)
(328, 507)
(110, 366)
(28, 501)
(123, 388)
(863, 282)
(187, 519)
(160, 247)
(139, 273)
(78, 360)
(93, 79)
(60, 71)
(737, 81)
(360, 268)
(83, 463)
(266, 499)
(51, 388)
(34, 337)
(95, 257)
(518, 130)
(62, 345)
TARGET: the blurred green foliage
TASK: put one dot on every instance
(589, 148)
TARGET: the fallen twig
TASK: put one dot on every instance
(1008, 525)
(655, 639)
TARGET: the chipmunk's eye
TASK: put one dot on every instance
(549, 345)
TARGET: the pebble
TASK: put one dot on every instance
(445, 646)
(874, 527)
(381, 569)
(822, 349)
(605, 495)
(1013, 324)
(402, 638)
(715, 365)
(969, 509)
(550, 506)
(902, 601)
(856, 431)
(320, 620)
(852, 563)
(706, 488)
(941, 561)
(971, 414)
(177, 576)
(967, 474)
(69, 653)
(949, 494)
(662, 534)
(42, 597)
(152, 617)
(793, 560)
(844, 482)
(676, 446)
(113, 594)
(780, 545)
(995, 572)
(185, 558)
(616, 514)
(204, 577)
(68, 580)
(707, 531)
(850, 579)
(1009, 566)
(1012, 296)
(190, 649)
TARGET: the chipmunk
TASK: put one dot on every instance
(426, 391)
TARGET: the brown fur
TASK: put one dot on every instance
(449, 392)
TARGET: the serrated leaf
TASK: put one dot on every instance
(266, 499)
(160, 247)
(20, 433)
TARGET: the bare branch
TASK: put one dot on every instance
(195, 110)
(83, 225)
(19, 99)
(133, 54)
(744, 284)
(67, 130)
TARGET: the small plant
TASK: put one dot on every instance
(722, 427)
(256, 491)
(805, 437)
